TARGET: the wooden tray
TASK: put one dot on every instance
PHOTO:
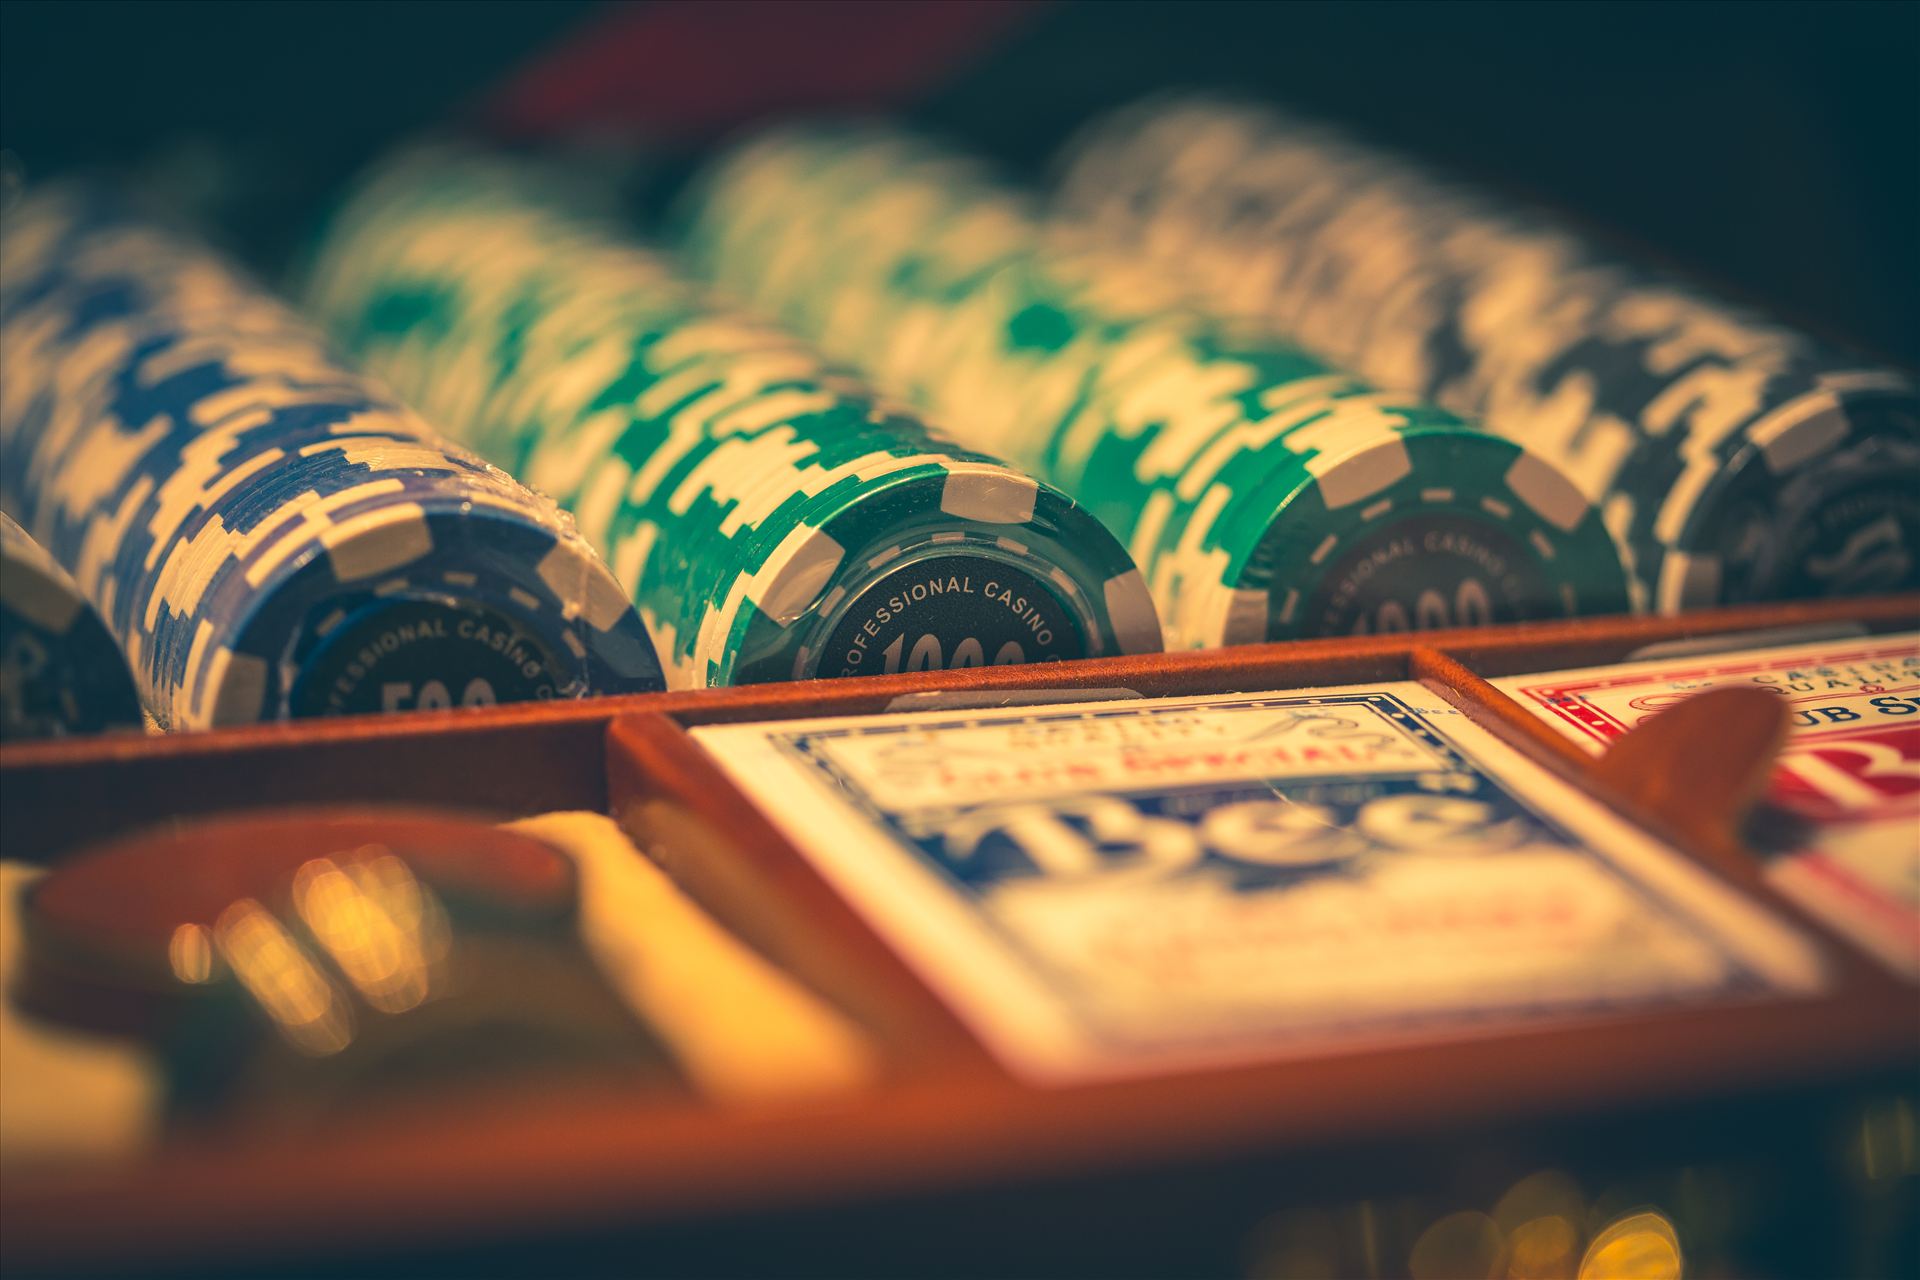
(554, 1171)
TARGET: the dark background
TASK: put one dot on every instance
(1772, 149)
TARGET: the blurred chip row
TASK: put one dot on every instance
(1206, 397)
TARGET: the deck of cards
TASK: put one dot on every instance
(1842, 833)
(1129, 887)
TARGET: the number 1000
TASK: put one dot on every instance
(926, 654)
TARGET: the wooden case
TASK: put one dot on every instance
(948, 1153)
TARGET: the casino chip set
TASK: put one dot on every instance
(1265, 495)
(265, 532)
(1735, 460)
(1139, 428)
(773, 519)
(60, 672)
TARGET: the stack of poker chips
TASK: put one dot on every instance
(1734, 459)
(1264, 494)
(772, 518)
(60, 672)
(266, 533)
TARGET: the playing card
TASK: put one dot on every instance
(1841, 831)
(1107, 888)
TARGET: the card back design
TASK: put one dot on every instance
(1111, 888)
(1841, 828)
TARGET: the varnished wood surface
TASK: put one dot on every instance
(677, 804)
(521, 758)
(946, 1117)
(580, 1158)
(1489, 650)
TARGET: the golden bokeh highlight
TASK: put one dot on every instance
(283, 978)
(1641, 1245)
(381, 927)
(190, 954)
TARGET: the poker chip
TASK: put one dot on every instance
(265, 532)
(1264, 494)
(516, 1013)
(771, 518)
(60, 672)
(292, 965)
(109, 932)
(1733, 458)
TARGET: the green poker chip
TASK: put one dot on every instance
(771, 517)
(1735, 459)
(914, 588)
(1263, 494)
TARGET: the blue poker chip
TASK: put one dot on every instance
(266, 532)
(460, 623)
(60, 672)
